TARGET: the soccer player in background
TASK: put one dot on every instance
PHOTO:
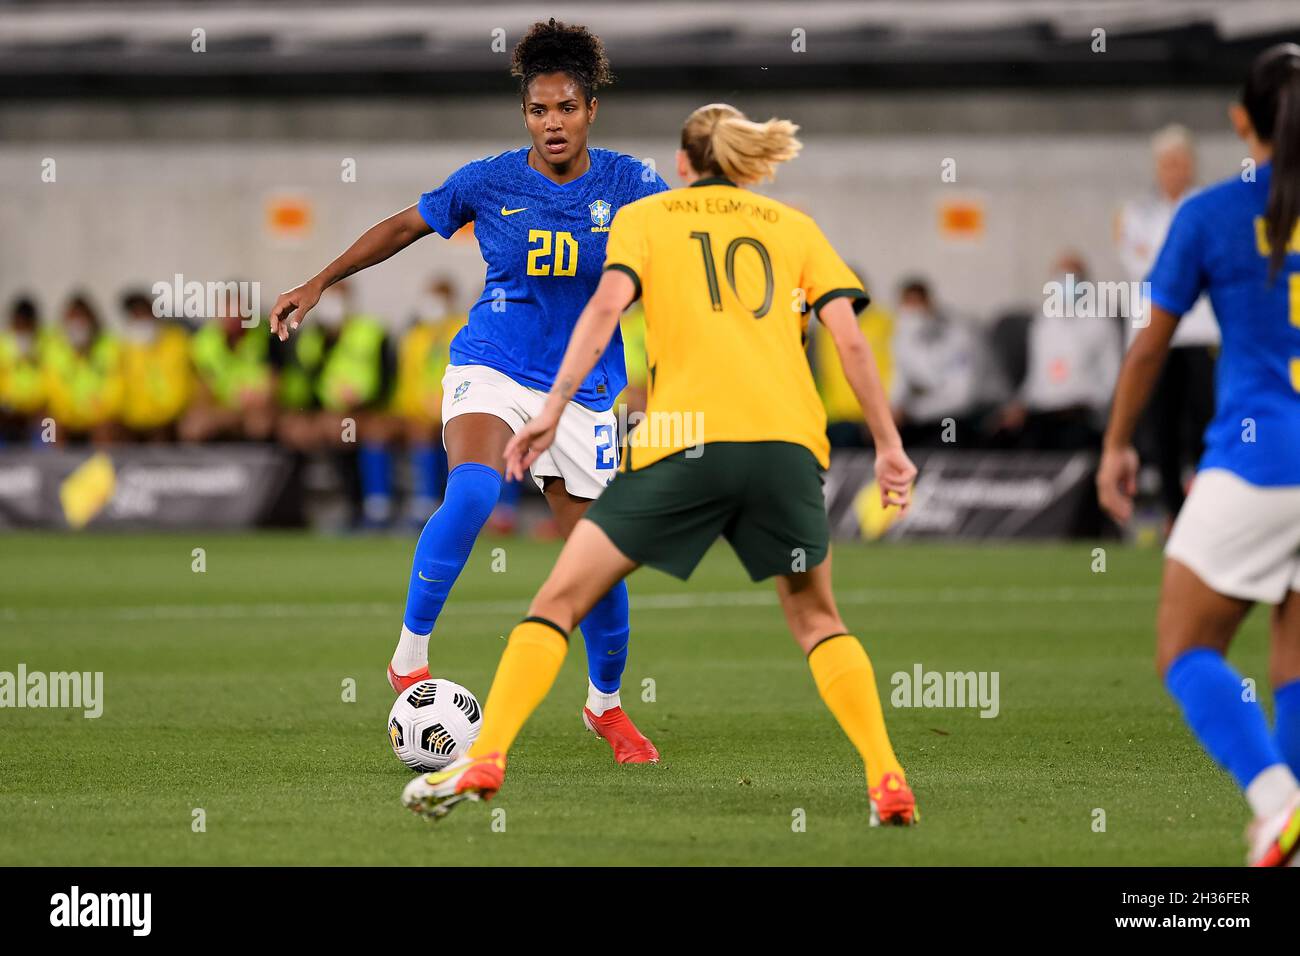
(1237, 539)
(541, 214)
(724, 273)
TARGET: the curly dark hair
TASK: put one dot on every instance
(554, 47)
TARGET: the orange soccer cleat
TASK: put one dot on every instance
(399, 682)
(617, 729)
(893, 803)
(433, 795)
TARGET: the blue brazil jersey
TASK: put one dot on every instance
(545, 247)
(1216, 244)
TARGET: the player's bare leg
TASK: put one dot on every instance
(1192, 615)
(847, 685)
(603, 712)
(587, 568)
(1195, 626)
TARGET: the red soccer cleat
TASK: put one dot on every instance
(616, 727)
(399, 682)
(893, 803)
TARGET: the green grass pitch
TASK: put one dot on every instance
(224, 691)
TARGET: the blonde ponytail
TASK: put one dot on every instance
(719, 140)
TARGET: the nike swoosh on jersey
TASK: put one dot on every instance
(421, 576)
(511, 212)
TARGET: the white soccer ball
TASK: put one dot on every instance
(432, 723)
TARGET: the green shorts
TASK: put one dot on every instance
(765, 498)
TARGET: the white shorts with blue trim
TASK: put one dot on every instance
(1242, 540)
(585, 452)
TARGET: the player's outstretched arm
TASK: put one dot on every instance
(376, 244)
(1117, 473)
(894, 470)
(587, 344)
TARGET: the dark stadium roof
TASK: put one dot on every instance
(89, 47)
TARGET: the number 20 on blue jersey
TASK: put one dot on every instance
(564, 262)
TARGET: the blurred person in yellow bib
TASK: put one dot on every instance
(159, 378)
(83, 375)
(336, 391)
(423, 354)
(22, 379)
(236, 372)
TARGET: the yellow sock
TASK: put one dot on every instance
(847, 684)
(527, 670)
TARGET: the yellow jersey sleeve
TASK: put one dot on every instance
(825, 276)
(626, 249)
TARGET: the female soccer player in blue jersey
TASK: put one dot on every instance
(1237, 539)
(541, 214)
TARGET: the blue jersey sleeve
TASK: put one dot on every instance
(449, 207)
(1178, 277)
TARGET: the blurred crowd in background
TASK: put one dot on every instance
(365, 392)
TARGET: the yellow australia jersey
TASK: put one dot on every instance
(726, 276)
(159, 379)
(877, 327)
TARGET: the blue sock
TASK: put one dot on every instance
(605, 630)
(1286, 723)
(375, 463)
(1232, 730)
(439, 470)
(510, 495)
(447, 540)
(428, 476)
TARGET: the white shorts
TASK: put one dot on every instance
(585, 452)
(1242, 540)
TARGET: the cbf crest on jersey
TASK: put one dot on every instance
(599, 216)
